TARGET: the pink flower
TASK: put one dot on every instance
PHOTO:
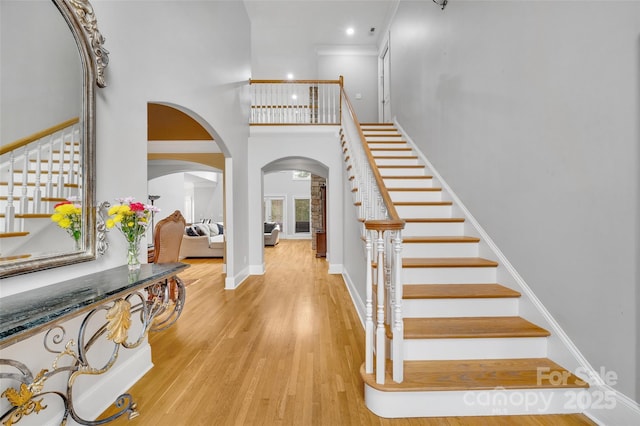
(137, 207)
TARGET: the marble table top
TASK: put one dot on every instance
(24, 314)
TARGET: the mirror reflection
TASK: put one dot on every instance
(43, 144)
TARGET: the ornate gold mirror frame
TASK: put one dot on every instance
(80, 17)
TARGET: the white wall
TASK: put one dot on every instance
(41, 72)
(360, 72)
(319, 143)
(530, 112)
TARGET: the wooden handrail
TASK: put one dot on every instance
(395, 222)
(38, 135)
(251, 81)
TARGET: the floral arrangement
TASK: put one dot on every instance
(132, 219)
(68, 216)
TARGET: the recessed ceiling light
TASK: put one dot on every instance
(350, 31)
(289, 76)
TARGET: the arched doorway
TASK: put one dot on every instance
(183, 149)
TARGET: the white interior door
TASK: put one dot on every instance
(386, 86)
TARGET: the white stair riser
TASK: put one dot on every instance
(397, 161)
(383, 137)
(393, 153)
(408, 183)
(440, 249)
(397, 196)
(386, 144)
(491, 402)
(402, 171)
(424, 211)
(449, 308)
(372, 129)
(448, 275)
(480, 348)
(433, 229)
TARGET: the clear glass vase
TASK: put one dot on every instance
(133, 250)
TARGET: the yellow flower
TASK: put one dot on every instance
(110, 223)
(65, 222)
(56, 217)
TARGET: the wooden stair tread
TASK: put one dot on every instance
(457, 291)
(467, 375)
(471, 328)
(440, 239)
(409, 189)
(447, 262)
(395, 157)
(423, 203)
(30, 215)
(403, 166)
(390, 141)
(14, 257)
(13, 234)
(433, 219)
(406, 177)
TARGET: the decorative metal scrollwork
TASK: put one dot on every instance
(88, 21)
(102, 245)
(157, 308)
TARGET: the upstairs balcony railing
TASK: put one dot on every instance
(296, 102)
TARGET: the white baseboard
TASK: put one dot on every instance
(335, 268)
(355, 297)
(231, 283)
(607, 406)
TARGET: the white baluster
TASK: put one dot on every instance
(398, 325)
(48, 189)
(369, 326)
(10, 210)
(24, 197)
(60, 183)
(380, 328)
(37, 191)
(71, 170)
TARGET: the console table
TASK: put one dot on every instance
(153, 296)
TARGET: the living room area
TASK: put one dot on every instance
(291, 208)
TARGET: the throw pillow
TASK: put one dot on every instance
(190, 231)
(201, 229)
(213, 229)
(220, 228)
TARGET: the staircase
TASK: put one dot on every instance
(466, 349)
(36, 172)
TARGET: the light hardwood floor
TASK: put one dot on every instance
(284, 348)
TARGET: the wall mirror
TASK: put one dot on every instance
(51, 60)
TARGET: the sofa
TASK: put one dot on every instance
(271, 233)
(205, 239)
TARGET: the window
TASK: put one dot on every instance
(303, 215)
(301, 175)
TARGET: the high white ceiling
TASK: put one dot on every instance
(320, 23)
